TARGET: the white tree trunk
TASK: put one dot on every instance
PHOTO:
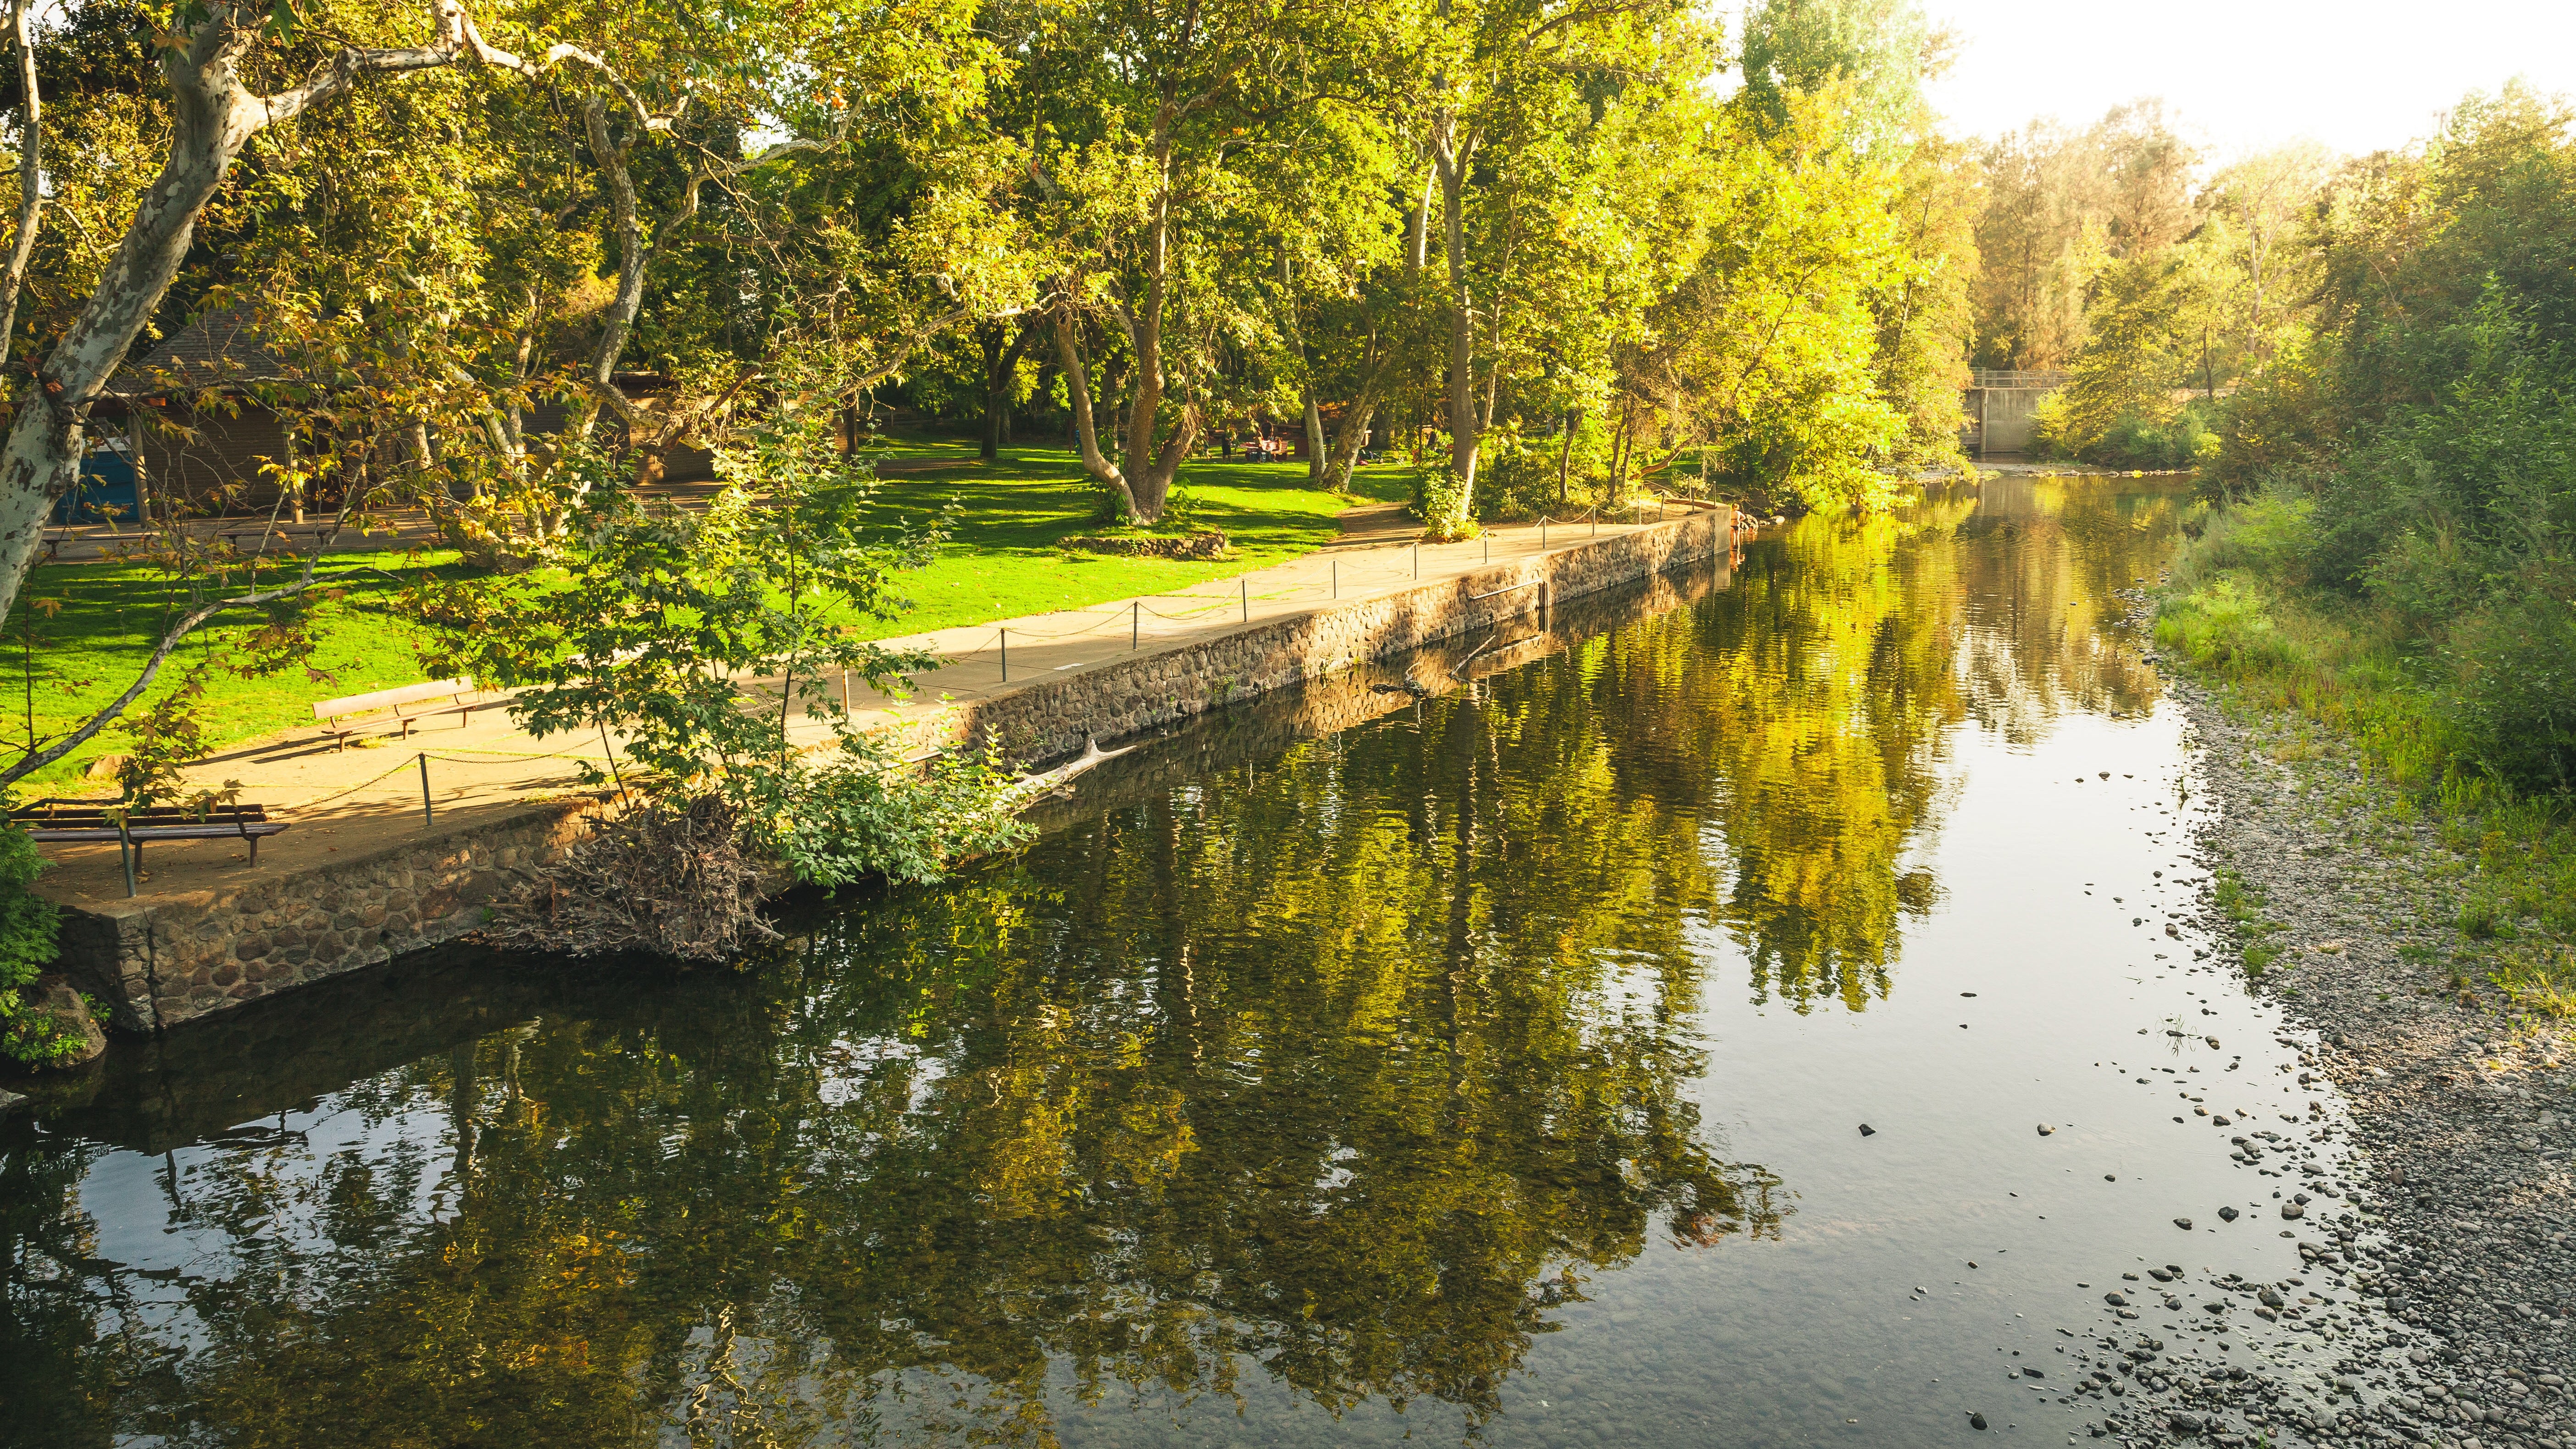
(212, 116)
(31, 171)
(1464, 433)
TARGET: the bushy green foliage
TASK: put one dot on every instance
(1542, 475)
(2126, 374)
(27, 927)
(1440, 498)
(2183, 440)
(2275, 426)
(2513, 698)
(697, 633)
(2410, 474)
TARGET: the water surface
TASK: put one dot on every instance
(1492, 1067)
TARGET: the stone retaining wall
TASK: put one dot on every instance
(163, 960)
(169, 959)
(1144, 691)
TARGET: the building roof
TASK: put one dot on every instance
(222, 348)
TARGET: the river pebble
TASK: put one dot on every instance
(2432, 1203)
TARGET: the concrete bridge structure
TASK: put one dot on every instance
(2000, 405)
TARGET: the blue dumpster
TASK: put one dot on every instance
(106, 489)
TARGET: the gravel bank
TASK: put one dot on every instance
(2432, 1201)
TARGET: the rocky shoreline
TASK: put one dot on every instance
(2438, 1300)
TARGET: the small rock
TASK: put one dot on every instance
(2184, 1423)
(1976, 1421)
(1867, 1130)
(2116, 1300)
(2183, 1223)
(2293, 1211)
(54, 995)
(2045, 1129)
(2227, 1215)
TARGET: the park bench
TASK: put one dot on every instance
(333, 712)
(314, 533)
(87, 820)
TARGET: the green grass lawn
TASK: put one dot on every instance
(1004, 562)
(111, 615)
(1001, 563)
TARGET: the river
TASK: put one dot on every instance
(1742, 1013)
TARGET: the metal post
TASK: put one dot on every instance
(1337, 578)
(1135, 624)
(1005, 636)
(1542, 535)
(126, 851)
(1489, 548)
(1417, 558)
(845, 693)
(1246, 587)
(428, 814)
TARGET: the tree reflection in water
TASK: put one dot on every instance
(1336, 1071)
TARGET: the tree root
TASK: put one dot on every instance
(669, 880)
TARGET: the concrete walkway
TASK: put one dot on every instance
(488, 770)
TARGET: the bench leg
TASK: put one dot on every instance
(254, 850)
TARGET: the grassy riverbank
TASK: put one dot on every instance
(2237, 606)
(89, 627)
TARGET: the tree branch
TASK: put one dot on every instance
(37, 759)
(31, 167)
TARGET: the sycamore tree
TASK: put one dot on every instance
(220, 96)
(1503, 82)
(1157, 136)
(438, 219)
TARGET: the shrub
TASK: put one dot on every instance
(28, 923)
(1438, 499)
(2227, 629)
(2267, 538)
(2276, 425)
(1514, 482)
(2513, 697)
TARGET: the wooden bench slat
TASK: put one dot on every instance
(85, 820)
(94, 811)
(153, 832)
(332, 712)
(389, 698)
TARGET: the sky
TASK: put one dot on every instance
(2244, 75)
